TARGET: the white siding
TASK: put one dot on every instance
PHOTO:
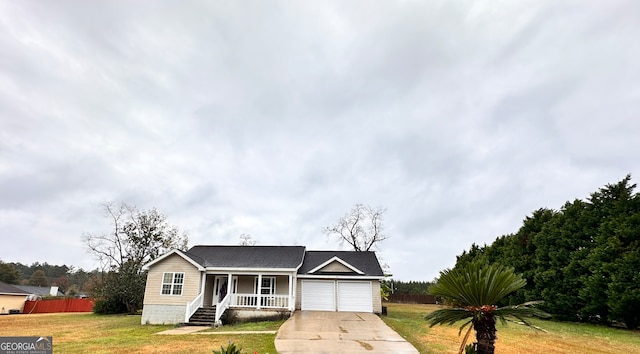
(376, 297)
(298, 294)
(173, 263)
(336, 266)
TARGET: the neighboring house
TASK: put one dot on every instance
(39, 291)
(11, 298)
(199, 285)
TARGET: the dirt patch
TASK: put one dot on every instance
(365, 345)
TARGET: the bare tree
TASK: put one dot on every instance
(110, 248)
(137, 237)
(361, 228)
(247, 240)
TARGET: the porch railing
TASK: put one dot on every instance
(193, 306)
(266, 301)
(221, 307)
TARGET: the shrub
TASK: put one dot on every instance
(230, 317)
(109, 307)
(471, 348)
(230, 349)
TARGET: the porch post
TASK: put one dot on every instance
(259, 291)
(229, 280)
(291, 295)
(204, 282)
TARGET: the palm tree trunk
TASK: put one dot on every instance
(486, 337)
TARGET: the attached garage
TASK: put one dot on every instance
(321, 295)
(318, 295)
(343, 281)
(354, 296)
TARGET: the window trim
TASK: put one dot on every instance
(272, 288)
(173, 284)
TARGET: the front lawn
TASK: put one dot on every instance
(249, 326)
(560, 338)
(89, 333)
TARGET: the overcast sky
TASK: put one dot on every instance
(274, 118)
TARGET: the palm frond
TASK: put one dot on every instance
(477, 287)
(522, 322)
(526, 309)
(521, 312)
(447, 316)
(464, 340)
(477, 284)
(465, 325)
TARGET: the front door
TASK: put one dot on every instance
(220, 287)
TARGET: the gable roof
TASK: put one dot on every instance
(178, 253)
(365, 262)
(337, 260)
(11, 289)
(256, 257)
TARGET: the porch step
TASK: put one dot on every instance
(204, 316)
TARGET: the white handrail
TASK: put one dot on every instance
(221, 307)
(193, 306)
(264, 301)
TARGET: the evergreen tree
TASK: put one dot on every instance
(611, 288)
(583, 260)
(558, 267)
(39, 278)
(8, 273)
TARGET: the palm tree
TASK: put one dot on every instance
(475, 289)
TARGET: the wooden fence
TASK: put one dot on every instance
(412, 299)
(58, 305)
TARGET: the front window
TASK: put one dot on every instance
(172, 283)
(268, 285)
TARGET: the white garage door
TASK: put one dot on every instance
(318, 295)
(354, 296)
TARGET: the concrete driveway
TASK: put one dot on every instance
(338, 332)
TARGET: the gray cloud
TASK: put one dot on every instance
(273, 119)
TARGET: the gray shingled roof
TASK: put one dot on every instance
(367, 262)
(11, 289)
(37, 290)
(285, 257)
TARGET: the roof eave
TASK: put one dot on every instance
(339, 260)
(247, 269)
(179, 253)
(333, 276)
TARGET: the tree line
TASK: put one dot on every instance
(582, 260)
(408, 287)
(70, 281)
(136, 238)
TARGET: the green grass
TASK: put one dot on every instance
(249, 326)
(89, 333)
(408, 321)
(559, 337)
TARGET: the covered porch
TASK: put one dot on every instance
(243, 290)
